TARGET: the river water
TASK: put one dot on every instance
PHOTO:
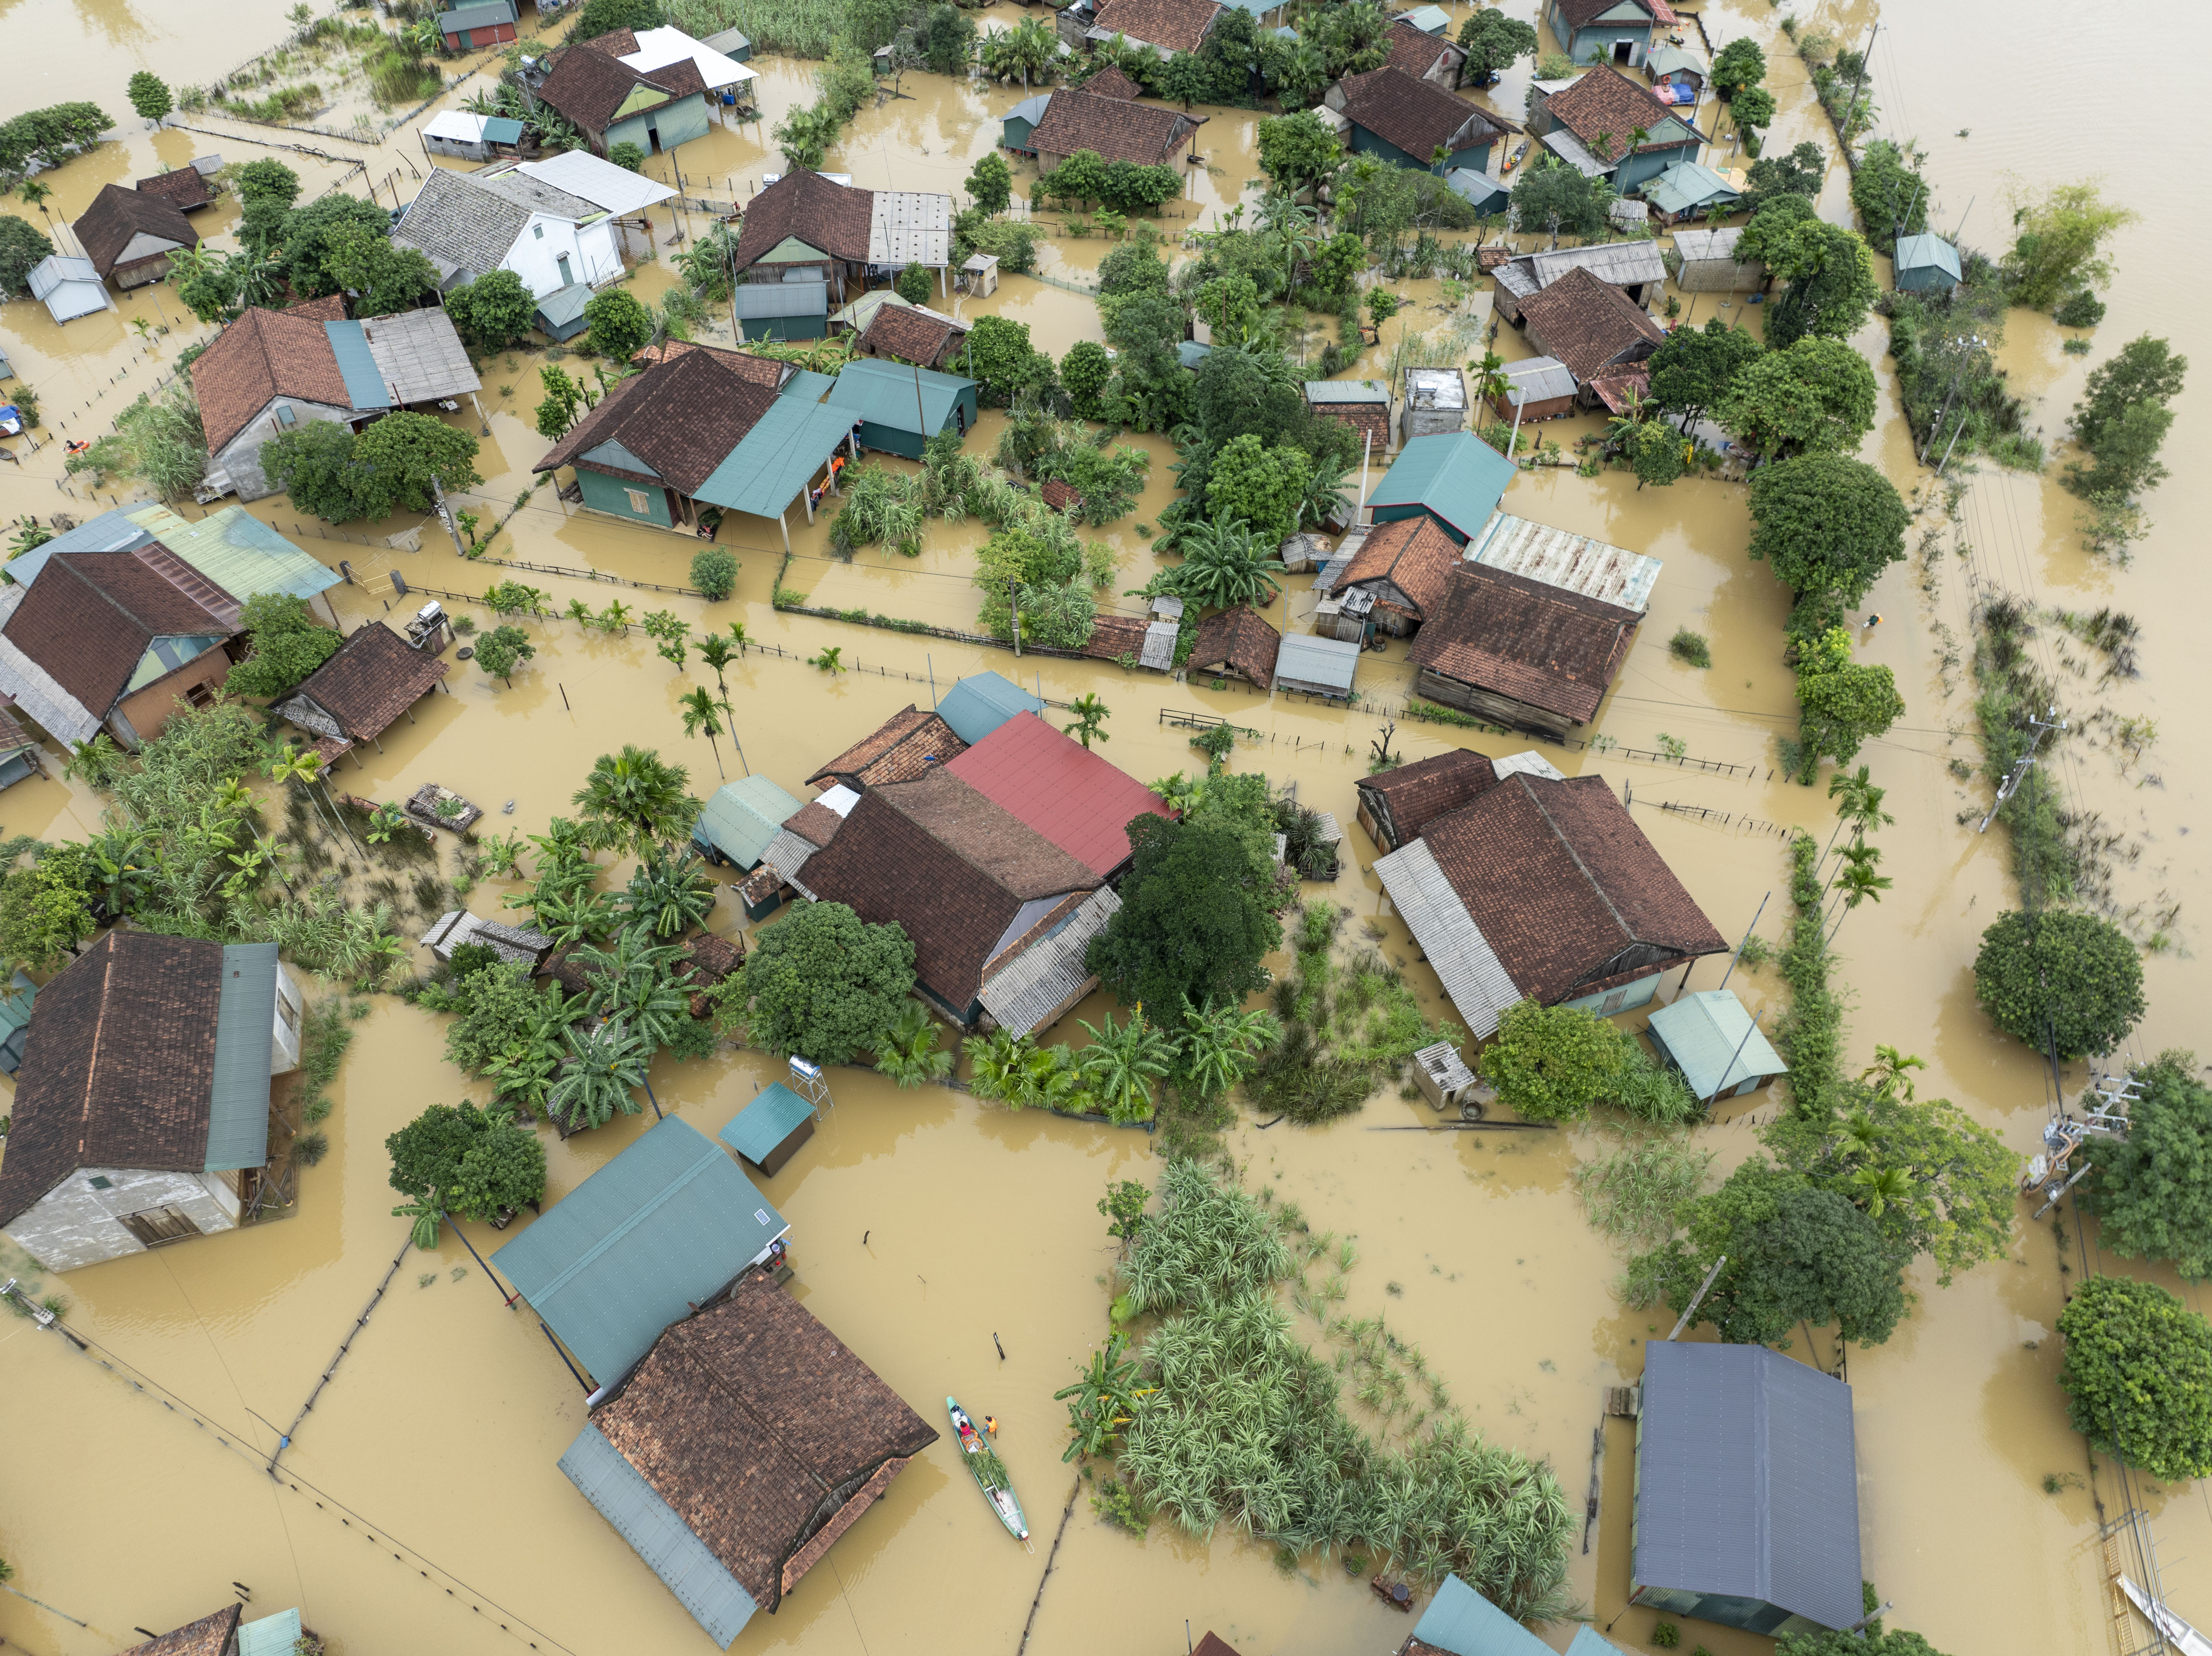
(445, 1420)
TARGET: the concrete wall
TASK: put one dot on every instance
(538, 252)
(241, 458)
(612, 495)
(144, 712)
(75, 1224)
(660, 128)
(1599, 39)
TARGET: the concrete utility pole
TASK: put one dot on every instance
(2049, 722)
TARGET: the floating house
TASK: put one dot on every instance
(1520, 652)
(1709, 1038)
(129, 234)
(767, 1132)
(1396, 804)
(374, 679)
(1236, 643)
(1925, 263)
(1581, 564)
(1411, 122)
(738, 819)
(479, 23)
(1079, 800)
(898, 408)
(141, 1115)
(1590, 326)
(1588, 123)
(1605, 31)
(1746, 1491)
(68, 288)
(1705, 262)
(458, 133)
(1456, 478)
(982, 702)
(909, 743)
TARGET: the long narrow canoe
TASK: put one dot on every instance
(988, 1471)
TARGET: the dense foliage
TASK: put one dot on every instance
(470, 1161)
(2138, 1376)
(1194, 923)
(821, 982)
(2060, 980)
(2152, 1190)
(288, 644)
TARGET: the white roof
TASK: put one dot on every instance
(1561, 558)
(458, 124)
(840, 799)
(71, 288)
(1530, 763)
(657, 48)
(615, 189)
(909, 226)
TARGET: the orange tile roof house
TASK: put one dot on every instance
(908, 743)
(610, 102)
(1396, 804)
(1590, 327)
(914, 335)
(1238, 643)
(1166, 26)
(1425, 57)
(1407, 565)
(1399, 118)
(1521, 652)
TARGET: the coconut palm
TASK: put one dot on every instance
(699, 711)
(911, 1056)
(1123, 1061)
(1090, 717)
(633, 799)
(604, 1063)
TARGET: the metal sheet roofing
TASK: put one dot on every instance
(1478, 189)
(1048, 974)
(16, 1003)
(755, 1131)
(1561, 558)
(657, 48)
(713, 1596)
(743, 816)
(1323, 391)
(584, 175)
(246, 1025)
(486, 15)
(459, 126)
(892, 394)
(1569, 148)
(862, 311)
(1079, 800)
(110, 532)
(764, 473)
(1454, 475)
(1921, 251)
(419, 355)
(807, 386)
(909, 226)
(364, 382)
(980, 703)
(1622, 263)
(565, 305)
(1538, 379)
(1747, 1480)
(1430, 20)
(764, 300)
(1474, 980)
(68, 288)
(1687, 186)
(270, 1635)
(1462, 1621)
(666, 1224)
(1305, 658)
(1716, 1042)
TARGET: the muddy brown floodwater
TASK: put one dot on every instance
(444, 1424)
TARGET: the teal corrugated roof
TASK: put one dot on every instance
(271, 1636)
(244, 1028)
(764, 473)
(755, 1131)
(1689, 185)
(1918, 252)
(15, 1004)
(979, 704)
(1704, 1031)
(665, 1225)
(1478, 189)
(1190, 352)
(807, 385)
(743, 816)
(364, 380)
(885, 394)
(1588, 1641)
(1462, 1621)
(502, 129)
(239, 552)
(565, 305)
(1454, 475)
(1430, 20)
(716, 1599)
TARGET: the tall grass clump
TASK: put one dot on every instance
(324, 1035)
(881, 505)
(797, 28)
(1809, 1035)
(1633, 1195)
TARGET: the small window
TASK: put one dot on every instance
(285, 416)
(637, 502)
(538, 231)
(200, 696)
(100, 1182)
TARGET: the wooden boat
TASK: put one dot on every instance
(988, 1471)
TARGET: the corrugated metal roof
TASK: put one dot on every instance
(666, 1224)
(729, 42)
(1569, 148)
(1320, 391)
(1696, 246)
(657, 48)
(862, 311)
(364, 381)
(418, 354)
(1478, 189)
(244, 1026)
(1430, 20)
(714, 1597)
(1716, 1042)
(1160, 639)
(1571, 562)
(807, 386)
(755, 1131)
(565, 305)
(1462, 1621)
(768, 301)
(1689, 185)
(68, 288)
(1623, 264)
(1454, 474)
(741, 817)
(764, 473)
(909, 226)
(110, 532)
(1921, 251)
(1190, 352)
(1046, 975)
(1029, 109)
(891, 394)
(787, 855)
(1474, 980)
(615, 189)
(1668, 60)
(1530, 763)
(1747, 1480)
(502, 129)
(15, 1004)
(1305, 660)
(982, 702)
(238, 552)
(270, 1635)
(168, 653)
(486, 15)
(1538, 379)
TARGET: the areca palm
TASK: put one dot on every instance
(1858, 804)
(912, 1057)
(1888, 1071)
(604, 1063)
(633, 798)
(1876, 1188)
(1123, 1061)
(1090, 717)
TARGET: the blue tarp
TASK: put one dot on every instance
(364, 381)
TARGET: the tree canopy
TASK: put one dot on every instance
(1298, 150)
(2061, 245)
(1842, 703)
(21, 246)
(1552, 1063)
(404, 454)
(1692, 370)
(1817, 396)
(1800, 172)
(1890, 193)
(620, 325)
(288, 643)
(1740, 63)
(1826, 523)
(2122, 419)
(2152, 1191)
(1552, 196)
(820, 982)
(1194, 923)
(471, 1161)
(493, 311)
(2137, 1376)
(1829, 270)
(1492, 41)
(2060, 977)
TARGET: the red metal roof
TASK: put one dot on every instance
(1080, 802)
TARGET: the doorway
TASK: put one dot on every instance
(568, 280)
(652, 138)
(1624, 52)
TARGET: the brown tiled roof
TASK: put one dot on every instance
(1415, 795)
(899, 750)
(1536, 643)
(1117, 129)
(1498, 252)
(682, 417)
(1586, 322)
(1113, 81)
(952, 870)
(1414, 52)
(117, 215)
(756, 370)
(759, 1427)
(1368, 419)
(208, 1637)
(1113, 637)
(1412, 554)
(1059, 496)
(91, 618)
(1241, 638)
(119, 1065)
(1416, 115)
(1615, 385)
(330, 307)
(1606, 100)
(588, 82)
(1214, 1645)
(1580, 14)
(187, 187)
(1178, 25)
(815, 822)
(1561, 881)
(822, 213)
(13, 737)
(374, 676)
(263, 355)
(710, 959)
(913, 336)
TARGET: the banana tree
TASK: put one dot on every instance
(1123, 1061)
(428, 1214)
(1104, 1401)
(603, 1064)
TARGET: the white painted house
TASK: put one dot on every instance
(142, 1107)
(552, 222)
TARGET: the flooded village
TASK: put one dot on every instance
(1314, 829)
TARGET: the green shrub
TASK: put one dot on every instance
(2138, 1376)
(1691, 647)
(2082, 310)
(714, 573)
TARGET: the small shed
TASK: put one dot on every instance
(1316, 666)
(1705, 262)
(479, 23)
(1479, 190)
(68, 288)
(736, 823)
(769, 1131)
(1017, 124)
(1536, 388)
(1442, 1076)
(1236, 643)
(1436, 404)
(1430, 20)
(1679, 78)
(1714, 1043)
(560, 313)
(980, 703)
(19, 748)
(732, 43)
(471, 137)
(1456, 478)
(898, 408)
(1690, 190)
(979, 276)
(1926, 263)
(1460, 1621)
(783, 310)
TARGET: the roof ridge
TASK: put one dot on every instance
(99, 1028)
(1551, 822)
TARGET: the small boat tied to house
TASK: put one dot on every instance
(988, 1471)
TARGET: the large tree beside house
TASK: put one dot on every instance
(821, 983)
(1194, 925)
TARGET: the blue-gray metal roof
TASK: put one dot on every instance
(1307, 659)
(982, 702)
(1462, 1621)
(742, 816)
(1190, 354)
(487, 14)
(755, 1131)
(1921, 251)
(1747, 1480)
(769, 300)
(1715, 1041)
(1320, 391)
(502, 129)
(16, 1000)
(893, 394)
(364, 380)
(665, 1225)
(612, 453)
(110, 532)
(270, 1635)
(1455, 474)
(1029, 109)
(715, 1597)
(244, 1028)
(565, 305)
(1478, 189)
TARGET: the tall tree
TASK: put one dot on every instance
(1817, 396)
(2060, 979)
(1493, 42)
(2152, 1190)
(2061, 245)
(406, 453)
(1826, 523)
(635, 799)
(1552, 1063)
(822, 983)
(2137, 1376)
(21, 247)
(1194, 924)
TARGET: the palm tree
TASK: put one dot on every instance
(427, 1215)
(1858, 805)
(1323, 494)
(718, 653)
(634, 982)
(910, 1055)
(1223, 567)
(1123, 1061)
(699, 710)
(633, 799)
(1223, 1044)
(1090, 717)
(1858, 881)
(1888, 1071)
(1000, 1062)
(1104, 1399)
(604, 1063)
(1875, 1188)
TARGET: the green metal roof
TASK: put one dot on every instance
(15, 1004)
(166, 654)
(982, 702)
(665, 1225)
(1462, 1621)
(1454, 475)
(238, 552)
(271, 1636)
(1918, 252)
(1704, 1032)
(743, 816)
(716, 1599)
(885, 394)
(755, 1131)
(807, 385)
(764, 473)
(244, 1028)
(1689, 185)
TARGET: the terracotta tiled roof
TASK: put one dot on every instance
(1536, 643)
(1606, 100)
(816, 823)
(1580, 14)
(1418, 116)
(1366, 419)
(1614, 386)
(820, 212)
(759, 1427)
(117, 215)
(263, 355)
(1413, 796)
(682, 417)
(1416, 53)
(1079, 800)
(1112, 82)
(1562, 882)
(588, 83)
(1587, 323)
(1413, 554)
(374, 676)
(1115, 636)
(1117, 129)
(912, 335)
(710, 959)
(1059, 496)
(756, 370)
(1214, 1645)
(908, 744)
(208, 1637)
(89, 621)
(1178, 25)
(119, 1067)
(187, 187)
(1242, 640)
(330, 307)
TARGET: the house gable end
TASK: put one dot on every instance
(792, 250)
(640, 97)
(613, 456)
